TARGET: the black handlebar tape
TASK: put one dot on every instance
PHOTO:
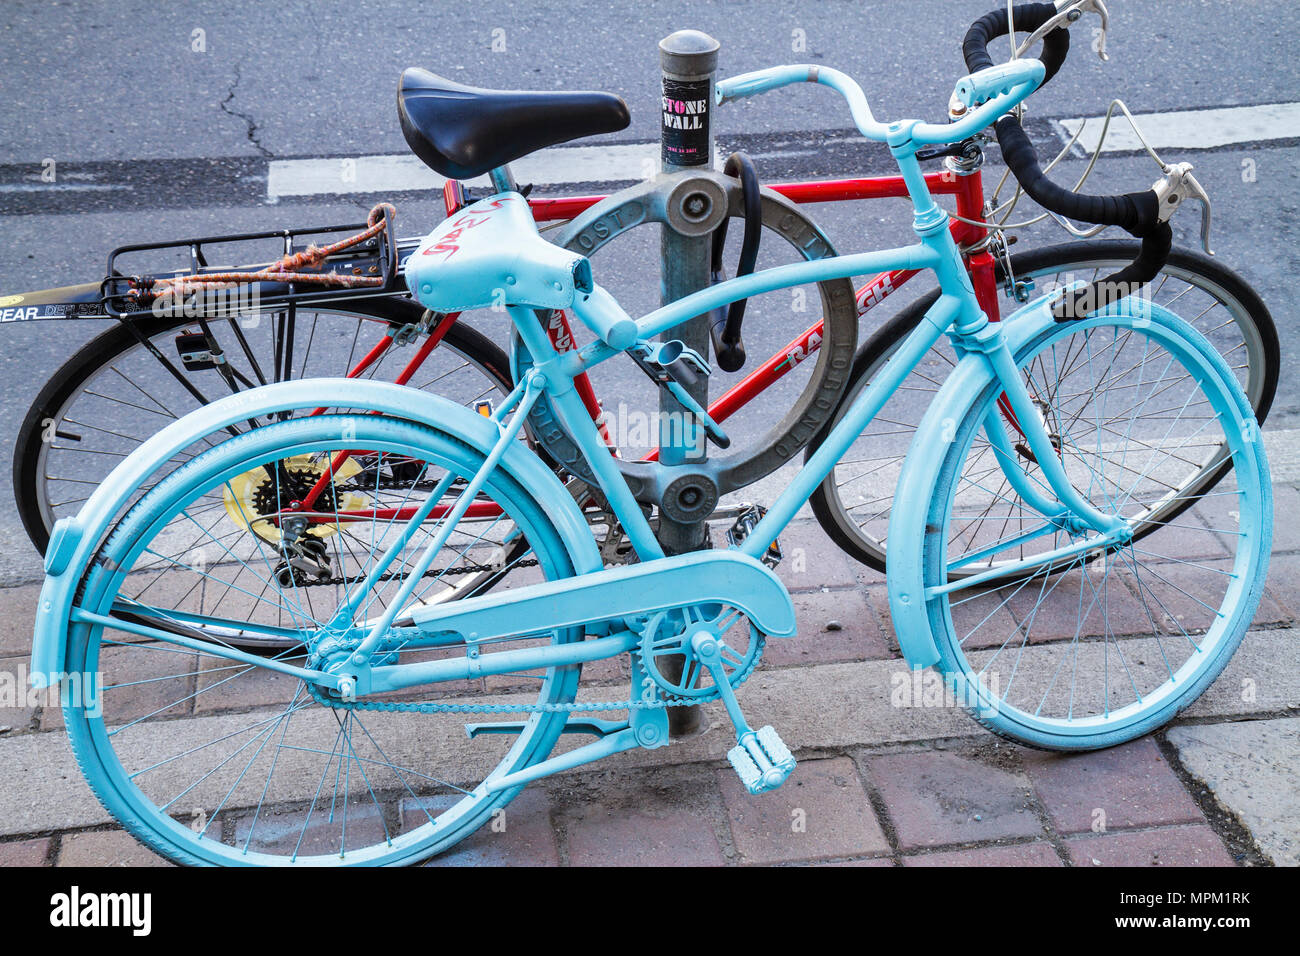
(1136, 212)
(1150, 260)
(1028, 18)
(725, 327)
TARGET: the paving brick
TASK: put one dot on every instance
(15, 696)
(811, 561)
(1178, 595)
(638, 837)
(1286, 508)
(1050, 608)
(1037, 853)
(1182, 599)
(19, 619)
(1192, 535)
(25, 852)
(935, 798)
(1271, 611)
(141, 680)
(225, 685)
(106, 848)
(1131, 784)
(859, 636)
(822, 811)
(633, 821)
(968, 616)
(986, 620)
(1283, 588)
(611, 670)
(870, 861)
(1219, 510)
(1170, 846)
(1253, 769)
(520, 834)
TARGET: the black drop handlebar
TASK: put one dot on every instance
(1138, 213)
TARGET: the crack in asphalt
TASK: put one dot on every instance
(248, 120)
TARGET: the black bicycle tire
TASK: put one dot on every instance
(111, 343)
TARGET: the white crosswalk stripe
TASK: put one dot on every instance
(1190, 129)
(373, 174)
(625, 162)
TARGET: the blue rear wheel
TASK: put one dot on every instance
(211, 760)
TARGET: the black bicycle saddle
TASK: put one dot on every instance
(463, 131)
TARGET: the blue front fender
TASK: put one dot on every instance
(74, 540)
(904, 554)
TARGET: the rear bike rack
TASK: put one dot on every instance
(375, 258)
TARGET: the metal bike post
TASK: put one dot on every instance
(689, 60)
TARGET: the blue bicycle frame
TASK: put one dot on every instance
(956, 313)
(543, 276)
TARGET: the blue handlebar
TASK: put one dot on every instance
(994, 80)
(760, 81)
(1002, 87)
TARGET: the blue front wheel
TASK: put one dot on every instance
(1104, 643)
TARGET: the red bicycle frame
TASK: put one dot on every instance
(967, 188)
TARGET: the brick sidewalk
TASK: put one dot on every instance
(965, 805)
(960, 797)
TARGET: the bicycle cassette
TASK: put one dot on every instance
(256, 496)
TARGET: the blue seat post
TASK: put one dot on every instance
(503, 180)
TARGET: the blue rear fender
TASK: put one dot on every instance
(75, 539)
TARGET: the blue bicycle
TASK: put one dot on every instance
(400, 722)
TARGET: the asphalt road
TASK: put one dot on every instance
(161, 120)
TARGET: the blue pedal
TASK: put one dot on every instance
(762, 760)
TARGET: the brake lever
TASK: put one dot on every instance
(1069, 12)
(1178, 186)
(1099, 8)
